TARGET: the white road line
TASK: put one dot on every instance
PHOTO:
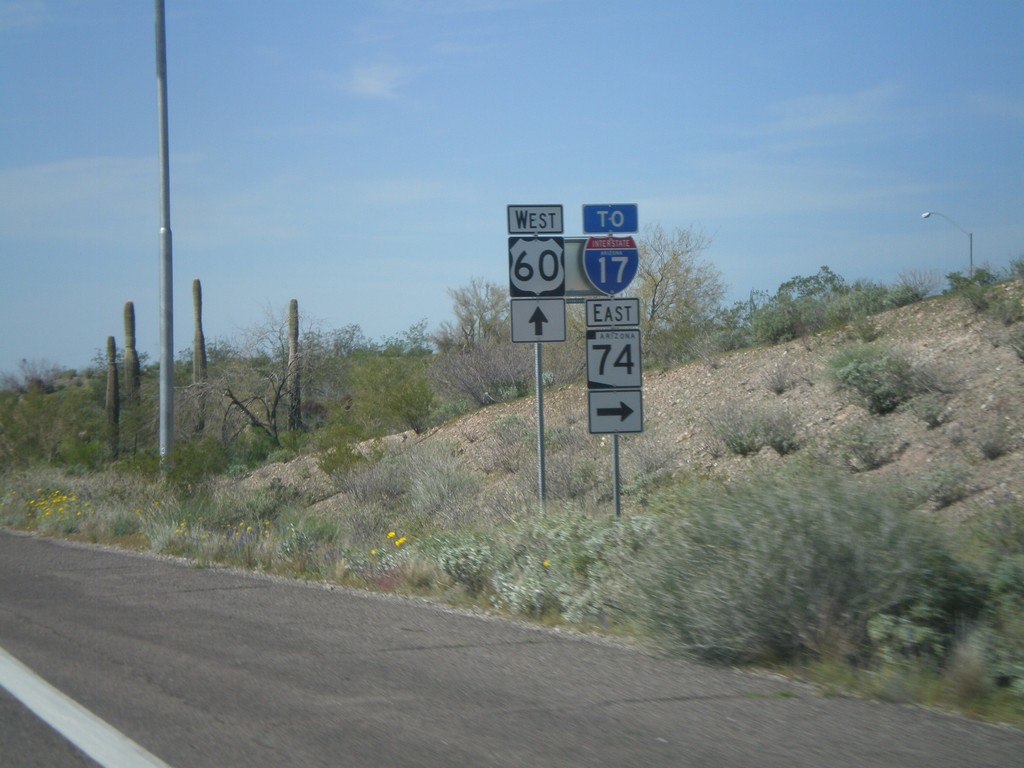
(97, 738)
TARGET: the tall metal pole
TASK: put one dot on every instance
(970, 255)
(166, 289)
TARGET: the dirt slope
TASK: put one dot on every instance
(947, 440)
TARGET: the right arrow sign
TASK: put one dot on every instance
(616, 411)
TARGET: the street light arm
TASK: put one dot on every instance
(928, 214)
(970, 238)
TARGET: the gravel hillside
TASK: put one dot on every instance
(961, 440)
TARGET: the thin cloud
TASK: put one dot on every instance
(999, 106)
(831, 111)
(375, 81)
(95, 199)
(18, 14)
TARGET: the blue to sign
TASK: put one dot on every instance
(610, 218)
(611, 263)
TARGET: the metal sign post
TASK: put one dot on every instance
(616, 492)
(538, 385)
(614, 378)
(536, 281)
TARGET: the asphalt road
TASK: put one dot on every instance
(211, 667)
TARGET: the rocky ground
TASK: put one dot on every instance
(964, 437)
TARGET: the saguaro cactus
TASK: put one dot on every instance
(132, 371)
(198, 340)
(294, 389)
(199, 374)
(113, 399)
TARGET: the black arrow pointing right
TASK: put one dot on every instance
(538, 319)
(623, 411)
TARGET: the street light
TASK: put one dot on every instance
(970, 239)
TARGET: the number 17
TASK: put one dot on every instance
(622, 261)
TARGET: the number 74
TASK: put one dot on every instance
(623, 360)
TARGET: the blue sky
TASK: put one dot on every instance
(358, 156)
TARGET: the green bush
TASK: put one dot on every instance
(570, 564)
(195, 460)
(931, 408)
(745, 430)
(1005, 307)
(864, 447)
(976, 289)
(942, 487)
(796, 563)
(392, 393)
(881, 378)
(1017, 268)
(468, 560)
(1017, 342)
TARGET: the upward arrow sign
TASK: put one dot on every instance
(537, 319)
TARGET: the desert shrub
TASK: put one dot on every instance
(881, 378)
(37, 422)
(337, 442)
(861, 299)
(377, 481)
(510, 441)
(745, 430)
(569, 564)
(648, 460)
(441, 489)
(799, 307)
(729, 339)
(222, 508)
(976, 289)
(300, 548)
(391, 394)
(994, 437)
(913, 286)
(864, 447)
(704, 346)
(81, 455)
(507, 500)
(649, 453)
(1017, 342)
(468, 559)
(739, 429)
(780, 376)
(997, 535)
(266, 503)
(931, 408)
(124, 523)
(779, 322)
(942, 487)
(778, 429)
(865, 329)
(793, 563)
(485, 372)
(1005, 307)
